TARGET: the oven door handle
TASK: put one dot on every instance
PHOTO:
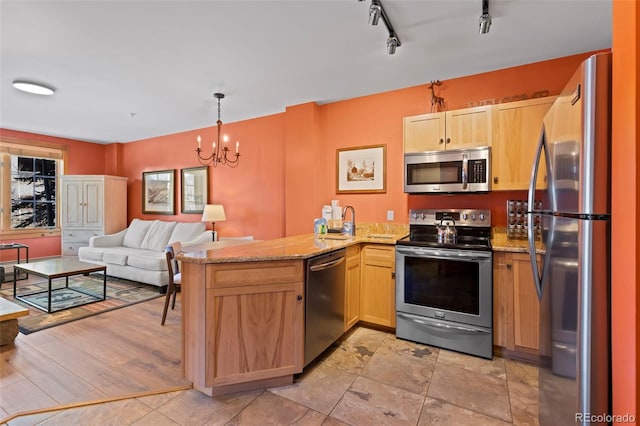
(449, 255)
(450, 328)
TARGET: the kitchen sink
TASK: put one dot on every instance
(336, 237)
(384, 236)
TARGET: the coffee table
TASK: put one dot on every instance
(60, 268)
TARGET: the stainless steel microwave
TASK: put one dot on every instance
(448, 171)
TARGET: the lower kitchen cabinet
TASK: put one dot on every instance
(352, 287)
(516, 308)
(377, 287)
(243, 324)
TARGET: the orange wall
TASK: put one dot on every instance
(252, 194)
(83, 158)
(304, 186)
(625, 296)
(377, 119)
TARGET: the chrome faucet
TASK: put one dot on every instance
(351, 231)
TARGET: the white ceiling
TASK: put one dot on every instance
(129, 70)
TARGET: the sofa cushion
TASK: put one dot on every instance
(148, 260)
(91, 254)
(136, 232)
(158, 235)
(116, 258)
(186, 231)
(115, 255)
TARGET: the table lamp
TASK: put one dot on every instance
(213, 213)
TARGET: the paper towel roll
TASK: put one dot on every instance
(337, 212)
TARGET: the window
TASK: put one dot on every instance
(33, 192)
(29, 188)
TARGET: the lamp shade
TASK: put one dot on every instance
(213, 213)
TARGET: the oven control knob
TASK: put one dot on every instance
(415, 216)
(473, 216)
(465, 216)
(481, 216)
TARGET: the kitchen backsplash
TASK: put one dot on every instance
(382, 228)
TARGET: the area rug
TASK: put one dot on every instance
(120, 293)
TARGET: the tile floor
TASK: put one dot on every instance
(369, 378)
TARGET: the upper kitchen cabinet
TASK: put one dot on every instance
(516, 129)
(461, 128)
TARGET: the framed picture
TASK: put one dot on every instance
(158, 189)
(361, 169)
(195, 188)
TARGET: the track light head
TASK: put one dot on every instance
(375, 11)
(485, 18)
(485, 23)
(392, 43)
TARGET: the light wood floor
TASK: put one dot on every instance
(117, 353)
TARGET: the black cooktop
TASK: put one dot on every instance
(463, 242)
(474, 233)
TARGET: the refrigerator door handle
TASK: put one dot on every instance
(534, 171)
(537, 278)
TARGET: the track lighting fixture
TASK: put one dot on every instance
(376, 11)
(485, 18)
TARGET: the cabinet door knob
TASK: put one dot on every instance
(299, 297)
(441, 141)
(509, 266)
(393, 275)
(448, 140)
(495, 179)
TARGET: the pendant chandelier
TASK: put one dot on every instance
(221, 154)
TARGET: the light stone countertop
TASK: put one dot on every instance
(308, 245)
(500, 242)
(290, 248)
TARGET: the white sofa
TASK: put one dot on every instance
(137, 253)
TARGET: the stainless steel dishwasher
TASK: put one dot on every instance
(324, 308)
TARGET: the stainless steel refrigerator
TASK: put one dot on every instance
(569, 209)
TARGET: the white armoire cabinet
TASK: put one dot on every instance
(91, 205)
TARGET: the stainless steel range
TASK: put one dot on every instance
(444, 284)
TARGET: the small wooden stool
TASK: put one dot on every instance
(9, 314)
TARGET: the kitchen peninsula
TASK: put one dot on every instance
(243, 308)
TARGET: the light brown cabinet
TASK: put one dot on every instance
(91, 205)
(243, 325)
(352, 287)
(378, 289)
(516, 308)
(461, 128)
(516, 130)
